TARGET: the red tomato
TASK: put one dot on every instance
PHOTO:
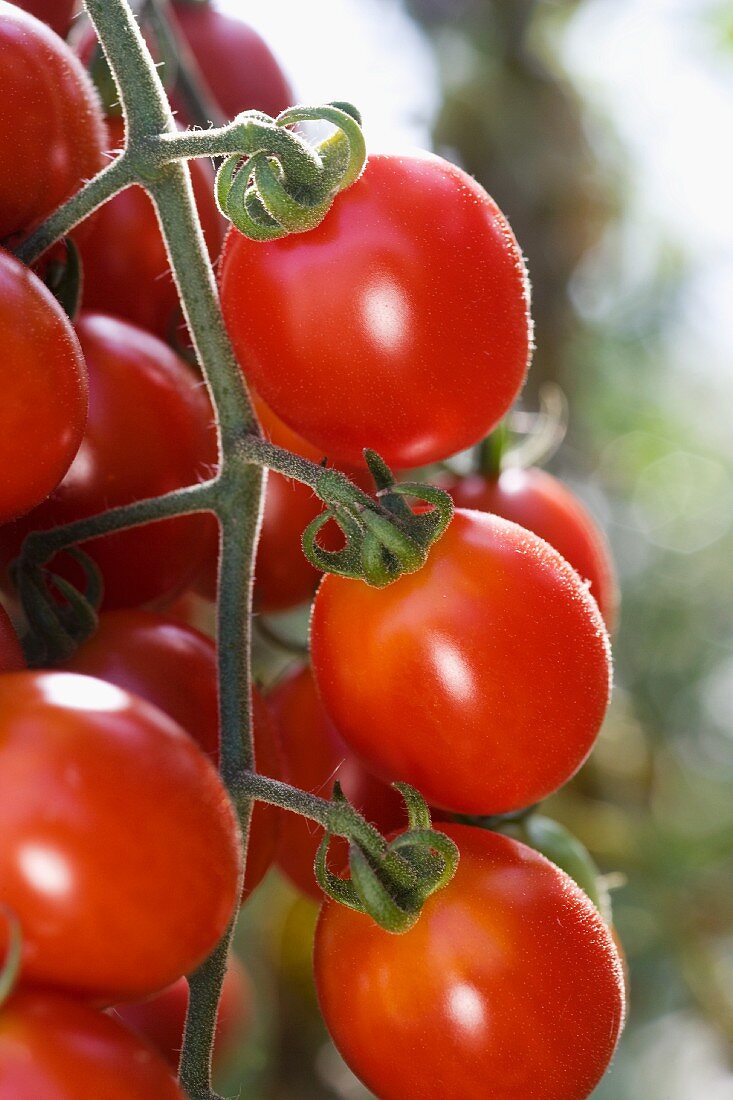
(401, 323)
(174, 666)
(508, 986)
(482, 679)
(53, 1048)
(44, 404)
(161, 1019)
(538, 501)
(314, 758)
(11, 654)
(51, 129)
(150, 430)
(237, 64)
(126, 267)
(120, 852)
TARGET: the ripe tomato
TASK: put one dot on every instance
(120, 852)
(508, 986)
(161, 1019)
(236, 63)
(11, 655)
(54, 1047)
(57, 14)
(150, 430)
(126, 268)
(174, 666)
(401, 323)
(538, 501)
(482, 679)
(51, 129)
(44, 405)
(314, 757)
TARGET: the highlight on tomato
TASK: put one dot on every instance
(508, 986)
(106, 859)
(376, 330)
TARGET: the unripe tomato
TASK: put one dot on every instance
(161, 1019)
(126, 267)
(150, 430)
(120, 853)
(482, 679)
(509, 986)
(174, 666)
(44, 403)
(538, 501)
(51, 129)
(11, 654)
(401, 323)
(314, 758)
(53, 1048)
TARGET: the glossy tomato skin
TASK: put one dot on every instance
(11, 654)
(121, 852)
(53, 1047)
(160, 1020)
(51, 129)
(149, 431)
(482, 679)
(509, 985)
(538, 501)
(314, 758)
(237, 64)
(45, 394)
(173, 666)
(126, 267)
(407, 308)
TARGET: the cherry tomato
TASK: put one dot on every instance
(538, 501)
(150, 430)
(508, 986)
(11, 654)
(314, 758)
(236, 63)
(174, 666)
(51, 129)
(53, 1048)
(120, 852)
(482, 679)
(44, 405)
(126, 267)
(401, 323)
(160, 1020)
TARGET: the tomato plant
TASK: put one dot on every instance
(174, 666)
(538, 501)
(509, 985)
(52, 1046)
(51, 128)
(45, 395)
(109, 815)
(422, 336)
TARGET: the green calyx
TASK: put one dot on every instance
(391, 881)
(383, 538)
(281, 185)
(59, 616)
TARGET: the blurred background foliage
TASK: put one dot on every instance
(597, 127)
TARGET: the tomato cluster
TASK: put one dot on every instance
(401, 323)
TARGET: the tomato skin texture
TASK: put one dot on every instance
(509, 985)
(11, 654)
(314, 758)
(150, 430)
(419, 331)
(121, 852)
(538, 501)
(126, 267)
(53, 1048)
(45, 395)
(160, 1020)
(482, 679)
(174, 667)
(51, 128)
